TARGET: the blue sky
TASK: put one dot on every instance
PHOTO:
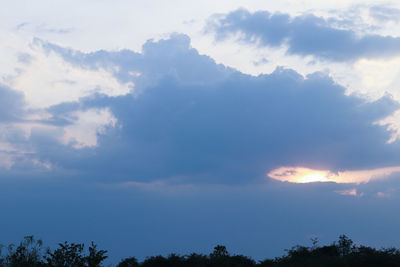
(249, 124)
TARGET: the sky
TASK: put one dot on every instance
(152, 127)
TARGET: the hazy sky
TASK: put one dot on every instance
(153, 127)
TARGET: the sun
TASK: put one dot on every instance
(301, 175)
(305, 175)
(312, 177)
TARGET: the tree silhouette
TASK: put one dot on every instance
(129, 262)
(219, 251)
(67, 255)
(197, 260)
(26, 254)
(345, 245)
(342, 253)
(95, 257)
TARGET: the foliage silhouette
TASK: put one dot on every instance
(342, 253)
(30, 253)
(66, 255)
(95, 256)
(129, 262)
(27, 254)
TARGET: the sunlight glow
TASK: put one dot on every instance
(299, 175)
(306, 175)
(313, 177)
(349, 192)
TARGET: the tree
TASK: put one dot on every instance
(220, 257)
(219, 251)
(129, 262)
(26, 254)
(155, 261)
(197, 260)
(345, 245)
(95, 257)
(66, 255)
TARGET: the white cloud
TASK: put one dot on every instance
(48, 80)
(113, 30)
(393, 125)
(86, 126)
(82, 132)
(370, 78)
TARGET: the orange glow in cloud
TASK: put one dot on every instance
(306, 175)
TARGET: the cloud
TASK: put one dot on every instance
(42, 28)
(41, 81)
(86, 126)
(11, 111)
(305, 35)
(348, 192)
(46, 80)
(191, 120)
(158, 59)
(385, 13)
(375, 77)
(11, 104)
(393, 124)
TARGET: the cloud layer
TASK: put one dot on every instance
(191, 120)
(305, 35)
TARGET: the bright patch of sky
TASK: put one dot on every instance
(86, 126)
(306, 175)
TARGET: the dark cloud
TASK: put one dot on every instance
(196, 121)
(304, 35)
(172, 57)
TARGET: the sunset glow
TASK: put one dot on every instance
(313, 177)
(306, 175)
